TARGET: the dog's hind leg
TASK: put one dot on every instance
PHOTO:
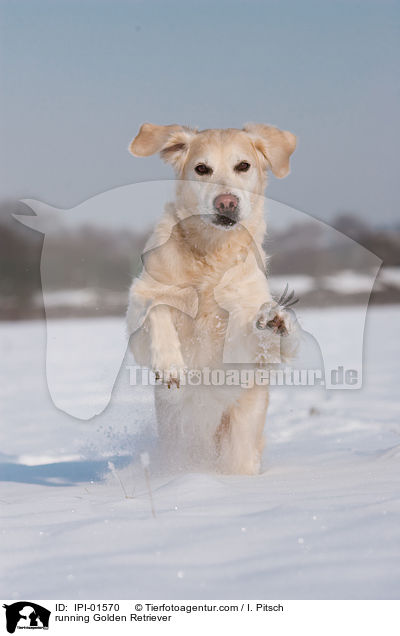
(222, 431)
(239, 437)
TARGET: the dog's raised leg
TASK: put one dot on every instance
(166, 356)
(239, 437)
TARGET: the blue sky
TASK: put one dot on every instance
(78, 79)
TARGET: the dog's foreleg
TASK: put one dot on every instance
(166, 356)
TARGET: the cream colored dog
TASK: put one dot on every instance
(202, 300)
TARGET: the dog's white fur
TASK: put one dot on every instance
(202, 290)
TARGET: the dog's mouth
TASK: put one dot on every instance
(224, 221)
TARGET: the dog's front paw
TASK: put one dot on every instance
(170, 377)
(168, 369)
(167, 364)
(272, 316)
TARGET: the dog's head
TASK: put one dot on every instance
(221, 173)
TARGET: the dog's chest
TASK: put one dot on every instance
(202, 338)
(206, 281)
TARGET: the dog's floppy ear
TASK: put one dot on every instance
(275, 145)
(172, 142)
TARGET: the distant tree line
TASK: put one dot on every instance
(93, 258)
(307, 249)
(106, 260)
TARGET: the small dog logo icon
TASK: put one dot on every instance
(26, 615)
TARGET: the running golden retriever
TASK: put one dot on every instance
(202, 301)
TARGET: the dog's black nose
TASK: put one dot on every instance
(226, 204)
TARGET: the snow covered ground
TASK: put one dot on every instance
(321, 521)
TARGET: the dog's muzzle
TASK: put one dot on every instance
(226, 208)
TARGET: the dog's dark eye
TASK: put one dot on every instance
(243, 166)
(201, 168)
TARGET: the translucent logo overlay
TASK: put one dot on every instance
(310, 268)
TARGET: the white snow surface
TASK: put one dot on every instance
(321, 521)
